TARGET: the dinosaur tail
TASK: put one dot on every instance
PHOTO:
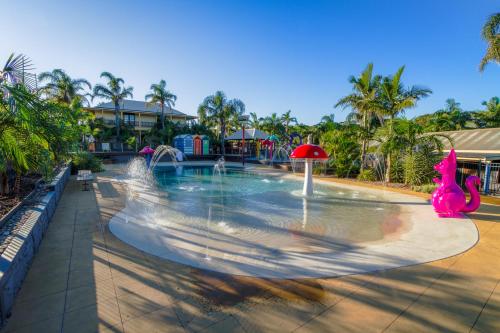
(475, 199)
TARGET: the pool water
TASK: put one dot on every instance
(267, 208)
(256, 222)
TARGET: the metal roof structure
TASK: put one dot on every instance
(250, 134)
(132, 106)
(474, 144)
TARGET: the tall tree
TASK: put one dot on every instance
(161, 96)
(62, 88)
(491, 116)
(273, 124)
(394, 100)
(287, 119)
(221, 111)
(113, 91)
(451, 118)
(491, 34)
(254, 121)
(362, 101)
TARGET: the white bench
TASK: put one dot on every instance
(85, 176)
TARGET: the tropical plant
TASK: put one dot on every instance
(115, 92)
(21, 141)
(343, 147)
(87, 161)
(491, 116)
(491, 34)
(62, 88)
(394, 99)
(273, 124)
(287, 119)
(218, 110)
(16, 71)
(451, 118)
(362, 101)
(411, 149)
(161, 96)
(254, 121)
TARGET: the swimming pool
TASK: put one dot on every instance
(256, 222)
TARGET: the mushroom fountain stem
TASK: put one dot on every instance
(308, 180)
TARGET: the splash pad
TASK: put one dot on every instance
(257, 223)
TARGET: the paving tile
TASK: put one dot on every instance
(275, 314)
(138, 303)
(51, 325)
(160, 321)
(229, 324)
(36, 310)
(93, 318)
(39, 285)
(196, 315)
(89, 294)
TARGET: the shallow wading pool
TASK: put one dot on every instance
(257, 223)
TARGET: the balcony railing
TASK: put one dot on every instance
(136, 123)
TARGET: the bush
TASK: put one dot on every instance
(367, 175)
(85, 161)
(419, 168)
(397, 170)
(427, 188)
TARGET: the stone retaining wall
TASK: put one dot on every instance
(16, 259)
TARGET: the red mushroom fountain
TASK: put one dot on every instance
(309, 153)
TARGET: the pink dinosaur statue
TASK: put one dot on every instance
(449, 199)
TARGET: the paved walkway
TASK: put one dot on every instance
(85, 280)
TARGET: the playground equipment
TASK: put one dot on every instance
(148, 153)
(293, 136)
(309, 153)
(449, 199)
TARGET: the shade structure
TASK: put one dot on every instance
(147, 150)
(309, 151)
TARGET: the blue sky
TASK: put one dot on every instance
(273, 55)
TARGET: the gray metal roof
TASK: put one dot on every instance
(481, 143)
(250, 134)
(128, 105)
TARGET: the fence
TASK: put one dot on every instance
(489, 173)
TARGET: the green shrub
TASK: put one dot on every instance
(86, 161)
(397, 170)
(367, 175)
(318, 169)
(426, 188)
(418, 168)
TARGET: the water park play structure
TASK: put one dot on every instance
(448, 199)
(309, 153)
(257, 221)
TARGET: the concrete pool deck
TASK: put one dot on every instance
(83, 279)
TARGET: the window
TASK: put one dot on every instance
(129, 119)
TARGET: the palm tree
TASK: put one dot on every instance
(15, 71)
(255, 122)
(221, 111)
(62, 88)
(273, 124)
(395, 99)
(491, 116)
(491, 34)
(160, 95)
(408, 138)
(287, 119)
(362, 102)
(115, 92)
